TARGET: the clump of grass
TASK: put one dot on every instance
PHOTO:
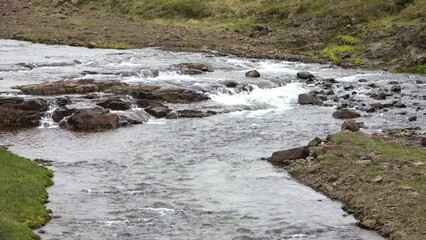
(23, 192)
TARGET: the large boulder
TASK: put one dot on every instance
(306, 98)
(92, 119)
(345, 113)
(13, 115)
(37, 104)
(282, 157)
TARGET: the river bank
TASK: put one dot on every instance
(377, 35)
(381, 178)
(23, 195)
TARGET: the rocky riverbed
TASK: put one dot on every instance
(192, 168)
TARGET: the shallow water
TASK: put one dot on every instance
(185, 178)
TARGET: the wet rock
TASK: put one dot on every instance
(62, 112)
(133, 117)
(306, 98)
(372, 85)
(362, 80)
(345, 113)
(305, 75)
(396, 89)
(144, 103)
(400, 105)
(230, 84)
(379, 96)
(115, 103)
(376, 106)
(62, 101)
(158, 111)
(194, 113)
(192, 68)
(282, 157)
(423, 142)
(179, 95)
(37, 104)
(349, 88)
(350, 125)
(252, 74)
(412, 118)
(12, 114)
(92, 119)
(419, 82)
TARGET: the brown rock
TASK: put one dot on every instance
(315, 142)
(158, 111)
(368, 224)
(305, 75)
(363, 162)
(91, 119)
(350, 125)
(115, 103)
(306, 98)
(37, 104)
(345, 113)
(62, 112)
(289, 154)
(423, 142)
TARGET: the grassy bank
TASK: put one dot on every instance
(383, 184)
(376, 34)
(23, 192)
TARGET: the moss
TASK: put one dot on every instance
(335, 53)
(23, 192)
(420, 69)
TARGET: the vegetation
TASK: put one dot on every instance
(23, 192)
(376, 180)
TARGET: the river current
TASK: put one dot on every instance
(184, 178)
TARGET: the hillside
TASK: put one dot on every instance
(388, 34)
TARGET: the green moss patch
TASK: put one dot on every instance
(23, 193)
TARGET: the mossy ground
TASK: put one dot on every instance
(23, 193)
(388, 187)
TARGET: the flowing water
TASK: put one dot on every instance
(184, 178)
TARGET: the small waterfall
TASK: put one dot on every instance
(47, 121)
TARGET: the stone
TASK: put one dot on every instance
(158, 111)
(133, 117)
(115, 103)
(377, 179)
(192, 68)
(37, 104)
(350, 125)
(281, 157)
(62, 112)
(396, 88)
(378, 96)
(363, 162)
(93, 119)
(423, 142)
(368, 224)
(62, 101)
(252, 74)
(187, 113)
(305, 75)
(412, 118)
(345, 113)
(315, 142)
(306, 98)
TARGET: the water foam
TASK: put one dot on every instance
(284, 97)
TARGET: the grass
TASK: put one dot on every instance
(391, 189)
(23, 193)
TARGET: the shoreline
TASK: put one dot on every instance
(380, 182)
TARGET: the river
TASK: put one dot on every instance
(184, 178)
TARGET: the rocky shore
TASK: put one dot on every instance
(379, 178)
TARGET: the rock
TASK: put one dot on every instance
(282, 157)
(368, 224)
(363, 162)
(306, 98)
(12, 114)
(178, 95)
(230, 84)
(412, 118)
(192, 68)
(378, 96)
(144, 103)
(400, 105)
(362, 80)
(115, 103)
(419, 82)
(396, 88)
(134, 117)
(92, 119)
(377, 179)
(376, 106)
(315, 142)
(37, 104)
(253, 74)
(305, 75)
(345, 113)
(423, 142)
(62, 112)
(194, 113)
(62, 101)
(350, 125)
(158, 111)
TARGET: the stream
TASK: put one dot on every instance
(187, 178)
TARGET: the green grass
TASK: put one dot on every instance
(23, 193)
